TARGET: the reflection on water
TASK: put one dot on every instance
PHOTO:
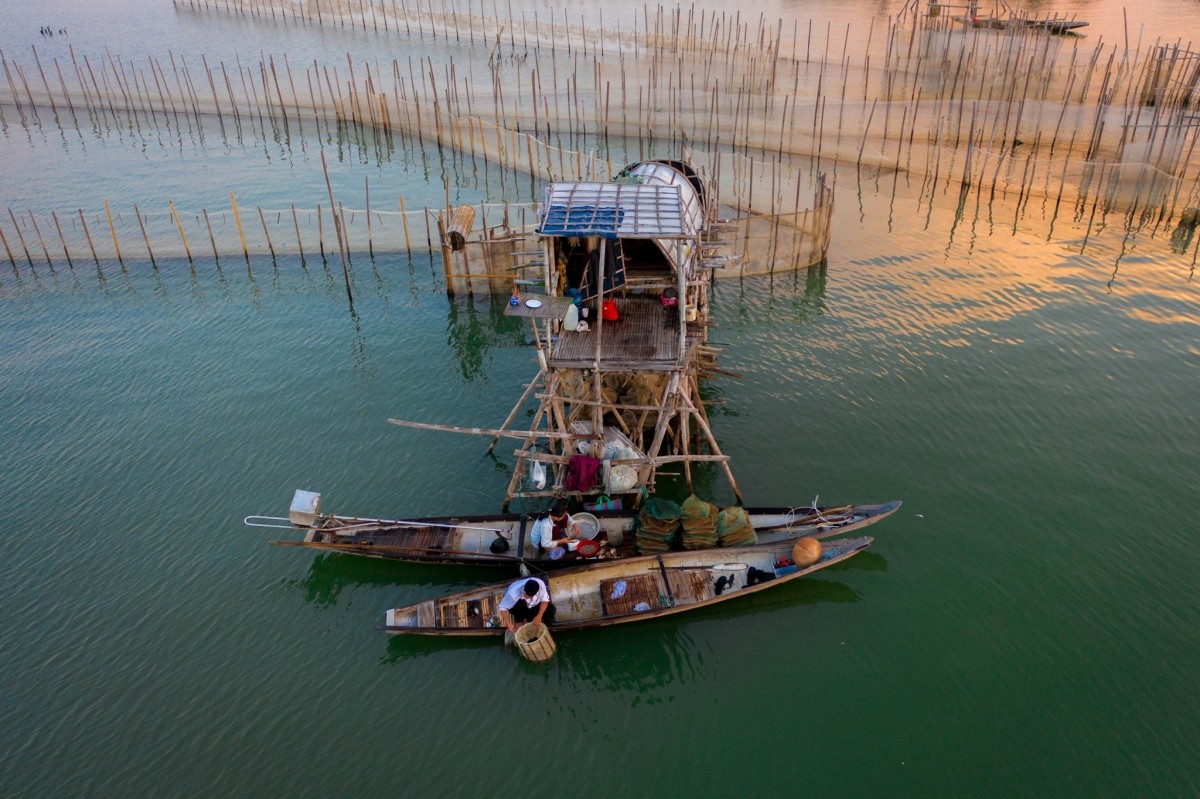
(635, 657)
(476, 325)
(632, 659)
(333, 572)
(866, 561)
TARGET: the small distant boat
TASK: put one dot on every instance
(505, 539)
(1052, 23)
(618, 592)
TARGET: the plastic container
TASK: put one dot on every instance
(589, 525)
(306, 507)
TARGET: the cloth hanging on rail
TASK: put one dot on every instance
(581, 472)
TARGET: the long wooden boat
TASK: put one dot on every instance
(634, 589)
(1057, 25)
(505, 539)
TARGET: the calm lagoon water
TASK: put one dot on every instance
(1027, 625)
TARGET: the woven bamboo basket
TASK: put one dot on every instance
(535, 642)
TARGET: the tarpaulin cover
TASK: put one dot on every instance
(581, 220)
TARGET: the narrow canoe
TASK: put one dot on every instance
(505, 539)
(622, 591)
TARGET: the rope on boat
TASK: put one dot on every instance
(814, 511)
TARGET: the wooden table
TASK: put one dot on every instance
(550, 308)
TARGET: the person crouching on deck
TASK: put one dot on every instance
(525, 601)
(555, 529)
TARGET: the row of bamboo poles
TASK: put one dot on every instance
(988, 110)
(172, 232)
(917, 51)
(234, 231)
(991, 90)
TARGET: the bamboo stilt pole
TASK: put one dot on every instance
(517, 408)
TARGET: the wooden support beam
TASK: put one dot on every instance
(697, 409)
(517, 408)
(480, 431)
(608, 406)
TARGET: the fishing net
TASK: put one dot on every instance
(699, 523)
(658, 524)
(734, 528)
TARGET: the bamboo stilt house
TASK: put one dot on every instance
(619, 319)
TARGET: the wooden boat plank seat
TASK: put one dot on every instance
(691, 585)
(451, 614)
(488, 606)
(425, 614)
(638, 588)
(469, 614)
(411, 537)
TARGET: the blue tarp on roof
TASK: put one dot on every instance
(582, 220)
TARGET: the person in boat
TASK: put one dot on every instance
(526, 601)
(555, 529)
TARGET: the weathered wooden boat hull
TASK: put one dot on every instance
(1050, 24)
(468, 539)
(622, 591)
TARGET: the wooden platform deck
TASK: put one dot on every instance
(645, 337)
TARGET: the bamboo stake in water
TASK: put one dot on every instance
(61, 238)
(41, 240)
(179, 225)
(337, 228)
(237, 218)
(211, 238)
(266, 232)
(404, 222)
(145, 237)
(367, 189)
(113, 229)
(88, 234)
(321, 231)
(20, 236)
(299, 243)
